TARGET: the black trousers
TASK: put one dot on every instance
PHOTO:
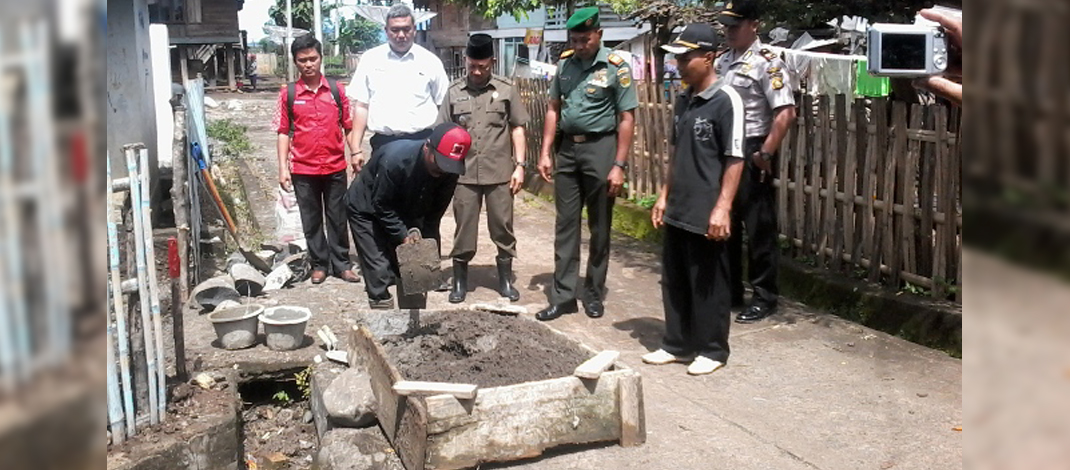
(754, 211)
(579, 181)
(377, 252)
(694, 289)
(319, 196)
(379, 140)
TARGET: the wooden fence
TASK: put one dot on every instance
(885, 207)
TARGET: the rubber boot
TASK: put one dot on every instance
(505, 279)
(460, 282)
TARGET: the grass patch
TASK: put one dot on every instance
(231, 135)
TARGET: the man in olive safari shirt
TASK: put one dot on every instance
(491, 110)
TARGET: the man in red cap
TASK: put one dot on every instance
(406, 184)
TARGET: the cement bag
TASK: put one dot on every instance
(288, 218)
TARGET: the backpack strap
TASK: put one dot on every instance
(333, 84)
(291, 90)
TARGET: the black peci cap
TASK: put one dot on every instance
(480, 46)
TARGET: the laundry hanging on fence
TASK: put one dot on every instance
(833, 74)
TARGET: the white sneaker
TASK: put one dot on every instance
(662, 357)
(703, 365)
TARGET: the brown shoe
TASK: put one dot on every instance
(318, 276)
(349, 276)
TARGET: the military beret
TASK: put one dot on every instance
(480, 46)
(585, 19)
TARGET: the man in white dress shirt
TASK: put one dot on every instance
(396, 89)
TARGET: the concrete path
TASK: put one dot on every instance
(803, 390)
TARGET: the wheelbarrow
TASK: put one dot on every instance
(419, 265)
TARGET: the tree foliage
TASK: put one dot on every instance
(302, 11)
(358, 34)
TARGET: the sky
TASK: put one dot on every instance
(253, 16)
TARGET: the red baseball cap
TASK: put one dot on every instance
(451, 144)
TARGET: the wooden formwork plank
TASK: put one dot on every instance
(595, 366)
(632, 411)
(402, 419)
(521, 421)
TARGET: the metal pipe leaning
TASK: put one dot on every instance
(120, 315)
(153, 284)
(142, 276)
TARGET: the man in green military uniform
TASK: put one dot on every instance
(491, 110)
(590, 118)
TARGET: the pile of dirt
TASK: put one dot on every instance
(482, 348)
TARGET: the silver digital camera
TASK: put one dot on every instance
(906, 50)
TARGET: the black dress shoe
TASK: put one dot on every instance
(755, 313)
(554, 311)
(594, 308)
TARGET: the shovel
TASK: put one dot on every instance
(419, 264)
(209, 182)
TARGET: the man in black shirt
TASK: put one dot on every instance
(406, 184)
(695, 206)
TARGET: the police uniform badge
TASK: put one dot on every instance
(745, 68)
(624, 77)
(777, 82)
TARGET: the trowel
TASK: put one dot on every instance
(419, 264)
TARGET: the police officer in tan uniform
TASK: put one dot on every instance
(763, 83)
(489, 107)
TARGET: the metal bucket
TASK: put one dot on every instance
(284, 327)
(236, 327)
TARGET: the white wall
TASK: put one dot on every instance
(161, 93)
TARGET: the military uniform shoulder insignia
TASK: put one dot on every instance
(567, 54)
(768, 54)
(615, 59)
(624, 77)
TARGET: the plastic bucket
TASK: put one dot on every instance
(284, 327)
(236, 327)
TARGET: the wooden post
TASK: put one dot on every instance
(183, 64)
(228, 56)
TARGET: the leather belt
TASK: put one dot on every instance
(580, 138)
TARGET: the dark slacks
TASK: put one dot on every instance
(755, 212)
(580, 181)
(467, 204)
(377, 251)
(695, 293)
(320, 196)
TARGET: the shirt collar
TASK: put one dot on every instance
(601, 56)
(302, 87)
(710, 90)
(394, 55)
(754, 48)
(488, 86)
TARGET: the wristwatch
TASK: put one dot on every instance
(766, 156)
(621, 165)
(522, 164)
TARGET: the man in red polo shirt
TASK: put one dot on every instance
(312, 161)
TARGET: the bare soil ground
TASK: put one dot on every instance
(482, 348)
